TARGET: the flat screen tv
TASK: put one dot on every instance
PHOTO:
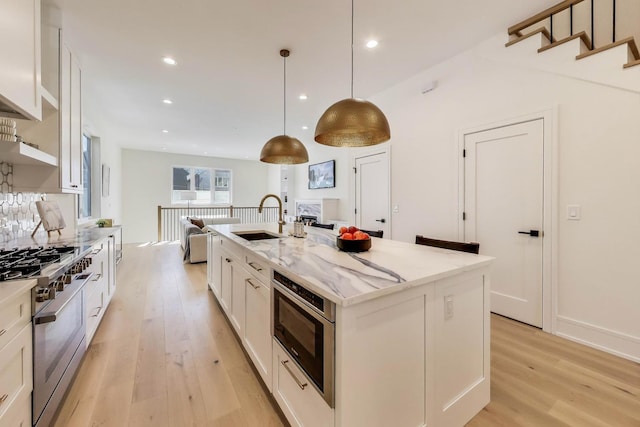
(322, 175)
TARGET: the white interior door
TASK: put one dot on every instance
(503, 204)
(372, 192)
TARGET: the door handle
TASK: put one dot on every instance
(382, 220)
(532, 233)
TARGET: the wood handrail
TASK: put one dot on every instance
(542, 15)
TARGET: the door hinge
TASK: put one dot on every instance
(355, 211)
(464, 153)
(464, 216)
(355, 170)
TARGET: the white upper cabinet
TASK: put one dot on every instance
(59, 134)
(70, 122)
(20, 68)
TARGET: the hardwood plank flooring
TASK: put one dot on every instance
(164, 355)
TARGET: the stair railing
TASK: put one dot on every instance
(516, 30)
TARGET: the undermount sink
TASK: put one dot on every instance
(256, 235)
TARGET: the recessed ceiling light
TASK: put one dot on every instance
(167, 101)
(305, 127)
(169, 61)
(205, 152)
(165, 131)
(372, 43)
(164, 148)
(302, 97)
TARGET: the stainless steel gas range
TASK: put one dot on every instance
(58, 306)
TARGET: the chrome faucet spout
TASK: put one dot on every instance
(280, 218)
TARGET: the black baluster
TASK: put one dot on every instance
(613, 38)
(571, 20)
(551, 28)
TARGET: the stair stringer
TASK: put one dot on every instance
(605, 68)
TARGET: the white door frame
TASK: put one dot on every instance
(361, 152)
(550, 202)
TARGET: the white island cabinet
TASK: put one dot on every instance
(411, 327)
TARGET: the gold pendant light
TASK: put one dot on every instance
(352, 122)
(283, 149)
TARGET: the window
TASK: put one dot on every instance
(199, 180)
(89, 202)
(84, 199)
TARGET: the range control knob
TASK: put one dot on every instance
(59, 285)
(42, 295)
(67, 278)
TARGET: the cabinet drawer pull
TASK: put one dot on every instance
(97, 312)
(74, 186)
(98, 277)
(2, 332)
(3, 398)
(252, 265)
(252, 285)
(300, 384)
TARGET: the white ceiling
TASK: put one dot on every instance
(227, 88)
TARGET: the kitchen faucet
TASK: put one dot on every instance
(280, 220)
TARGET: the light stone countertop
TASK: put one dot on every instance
(82, 237)
(349, 278)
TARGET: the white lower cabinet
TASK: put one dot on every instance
(239, 275)
(299, 401)
(257, 330)
(18, 415)
(226, 281)
(214, 263)
(100, 289)
(96, 303)
(16, 377)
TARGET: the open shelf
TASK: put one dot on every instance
(20, 153)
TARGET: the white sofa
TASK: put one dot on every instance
(193, 239)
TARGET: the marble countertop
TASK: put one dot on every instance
(82, 237)
(349, 278)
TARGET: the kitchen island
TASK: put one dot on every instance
(411, 325)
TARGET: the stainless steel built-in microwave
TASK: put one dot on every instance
(304, 323)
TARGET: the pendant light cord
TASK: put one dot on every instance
(352, 1)
(284, 124)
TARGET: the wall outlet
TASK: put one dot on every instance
(396, 209)
(448, 307)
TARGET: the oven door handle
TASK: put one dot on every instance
(58, 305)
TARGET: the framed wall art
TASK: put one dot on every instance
(322, 175)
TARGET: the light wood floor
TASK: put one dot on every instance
(165, 356)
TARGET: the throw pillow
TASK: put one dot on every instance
(197, 222)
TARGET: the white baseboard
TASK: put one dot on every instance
(617, 343)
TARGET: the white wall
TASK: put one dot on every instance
(597, 287)
(321, 153)
(146, 184)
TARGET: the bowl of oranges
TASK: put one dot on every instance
(351, 239)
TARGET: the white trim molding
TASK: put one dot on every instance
(614, 342)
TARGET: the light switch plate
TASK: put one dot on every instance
(574, 212)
